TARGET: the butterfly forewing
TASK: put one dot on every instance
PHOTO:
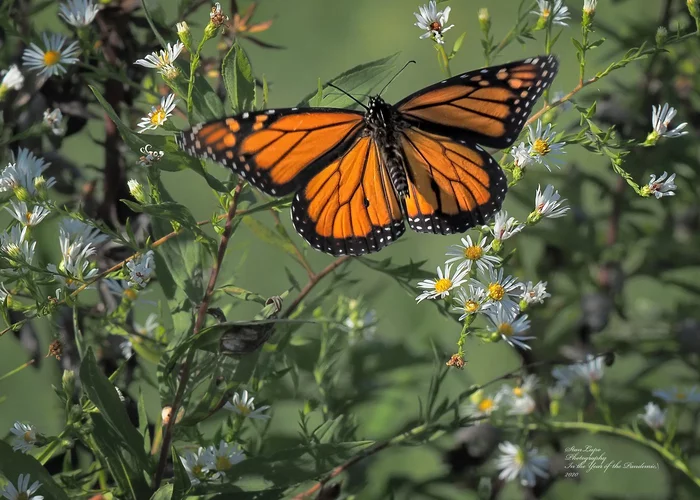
(349, 207)
(277, 151)
(487, 106)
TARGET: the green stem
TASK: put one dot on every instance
(194, 63)
(672, 459)
(443, 59)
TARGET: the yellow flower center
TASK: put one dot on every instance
(223, 463)
(505, 329)
(518, 392)
(443, 285)
(471, 306)
(496, 291)
(520, 457)
(159, 116)
(681, 395)
(28, 217)
(28, 436)
(51, 57)
(541, 147)
(197, 471)
(474, 252)
(245, 410)
(22, 496)
(545, 13)
(130, 294)
(485, 405)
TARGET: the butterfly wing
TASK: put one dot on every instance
(349, 207)
(277, 151)
(452, 185)
(487, 106)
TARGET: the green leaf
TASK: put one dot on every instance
(104, 396)
(363, 79)
(458, 43)
(164, 493)
(122, 465)
(182, 480)
(239, 81)
(267, 235)
(14, 463)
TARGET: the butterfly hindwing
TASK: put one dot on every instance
(349, 207)
(277, 151)
(487, 106)
(452, 185)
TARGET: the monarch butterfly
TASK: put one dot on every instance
(358, 175)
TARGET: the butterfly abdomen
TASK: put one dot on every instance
(394, 163)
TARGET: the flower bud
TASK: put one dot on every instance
(485, 20)
(661, 36)
(184, 34)
(136, 190)
(68, 382)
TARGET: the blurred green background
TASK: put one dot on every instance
(322, 39)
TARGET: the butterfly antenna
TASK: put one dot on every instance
(349, 95)
(396, 76)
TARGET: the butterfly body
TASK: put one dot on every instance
(358, 177)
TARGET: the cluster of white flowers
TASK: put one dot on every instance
(474, 280)
(542, 148)
(211, 463)
(78, 242)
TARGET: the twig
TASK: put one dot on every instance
(313, 281)
(199, 322)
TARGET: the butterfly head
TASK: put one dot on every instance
(379, 113)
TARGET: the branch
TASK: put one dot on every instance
(199, 322)
(313, 281)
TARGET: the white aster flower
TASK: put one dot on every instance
(675, 395)
(472, 253)
(78, 240)
(196, 465)
(16, 245)
(120, 288)
(432, 21)
(163, 60)
(25, 174)
(480, 405)
(3, 293)
(360, 321)
(521, 155)
(591, 370)
(543, 149)
(54, 121)
(535, 294)
(149, 328)
(517, 462)
(556, 391)
(564, 375)
(520, 399)
(589, 6)
(126, 348)
(504, 227)
(662, 186)
(25, 215)
(653, 416)
(149, 157)
(223, 458)
(136, 190)
(141, 269)
(554, 9)
(53, 57)
(243, 405)
(441, 286)
(78, 13)
(470, 300)
(23, 491)
(504, 323)
(503, 291)
(25, 437)
(74, 272)
(661, 119)
(12, 79)
(549, 204)
(158, 114)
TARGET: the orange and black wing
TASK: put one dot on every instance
(487, 106)
(277, 151)
(349, 207)
(452, 185)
